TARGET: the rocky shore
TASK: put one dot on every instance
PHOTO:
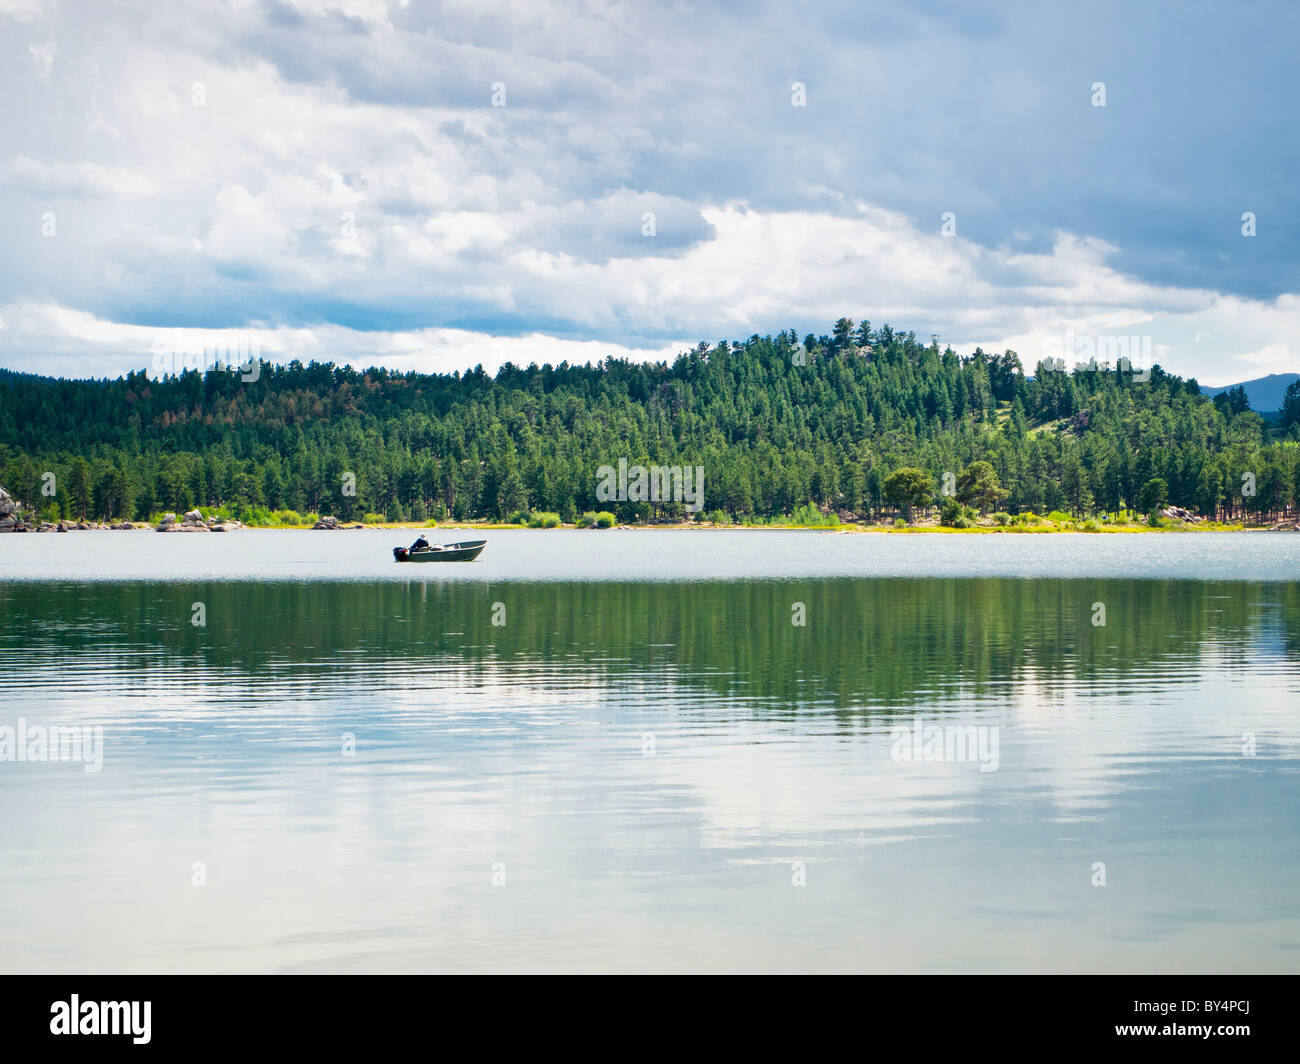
(193, 521)
(9, 519)
(332, 524)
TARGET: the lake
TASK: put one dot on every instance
(651, 751)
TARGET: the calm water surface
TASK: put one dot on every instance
(647, 754)
(675, 555)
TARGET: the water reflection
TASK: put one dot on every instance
(649, 765)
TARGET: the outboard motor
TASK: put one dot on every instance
(399, 554)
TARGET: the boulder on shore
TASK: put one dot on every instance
(329, 524)
(10, 521)
(1177, 513)
(192, 522)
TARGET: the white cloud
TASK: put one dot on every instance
(24, 10)
(44, 55)
(245, 230)
(355, 173)
(44, 337)
(77, 179)
(758, 269)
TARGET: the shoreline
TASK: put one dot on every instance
(844, 529)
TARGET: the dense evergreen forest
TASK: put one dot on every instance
(776, 423)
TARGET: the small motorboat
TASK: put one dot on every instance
(445, 552)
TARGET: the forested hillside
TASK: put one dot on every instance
(775, 424)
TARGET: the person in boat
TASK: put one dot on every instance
(420, 544)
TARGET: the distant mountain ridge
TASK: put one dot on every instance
(1264, 393)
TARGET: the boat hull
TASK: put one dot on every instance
(448, 552)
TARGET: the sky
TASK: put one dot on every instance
(429, 185)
